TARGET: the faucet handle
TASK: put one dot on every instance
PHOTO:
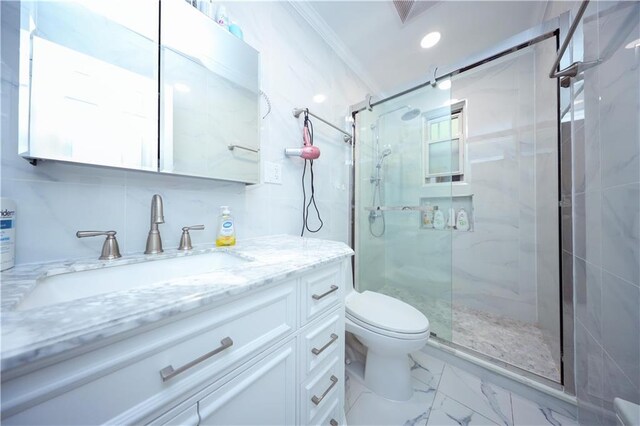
(185, 239)
(110, 249)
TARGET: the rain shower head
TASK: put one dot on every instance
(411, 114)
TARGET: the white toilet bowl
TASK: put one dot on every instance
(390, 329)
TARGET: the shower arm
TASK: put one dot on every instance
(298, 111)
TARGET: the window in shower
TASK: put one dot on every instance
(443, 140)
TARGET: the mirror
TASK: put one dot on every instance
(89, 81)
(209, 98)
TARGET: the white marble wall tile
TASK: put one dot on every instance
(526, 412)
(481, 396)
(590, 381)
(621, 231)
(50, 213)
(588, 296)
(587, 224)
(620, 324)
(617, 384)
(619, 100)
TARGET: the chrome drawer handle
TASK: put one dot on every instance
(333, 422)
(168, 372)
(320, 296)
(317, 400)
(317, 351)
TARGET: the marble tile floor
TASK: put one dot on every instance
(446, 395)
(515, 342)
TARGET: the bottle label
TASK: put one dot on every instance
(227, 228)
(7, 239)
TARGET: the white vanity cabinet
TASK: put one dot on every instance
(274, 355)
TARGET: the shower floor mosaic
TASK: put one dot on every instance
(515, 342)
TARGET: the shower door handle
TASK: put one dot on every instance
(320, 296)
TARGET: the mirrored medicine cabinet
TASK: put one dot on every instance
(146, 85)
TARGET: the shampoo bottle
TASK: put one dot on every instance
(226, 228)
(462, 221)
(438, 218)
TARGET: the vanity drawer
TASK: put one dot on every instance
(321, 290)
(330, 417)
(122, 382)
(321, 390)
(321, 340)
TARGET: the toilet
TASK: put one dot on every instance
(390, 329)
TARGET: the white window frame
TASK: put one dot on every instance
(427, 121)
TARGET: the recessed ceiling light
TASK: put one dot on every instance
(430, 40)
(319, 98)
(181, 87)
(444, 85)
(633, 44)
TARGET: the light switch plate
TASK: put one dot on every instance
(272, 173)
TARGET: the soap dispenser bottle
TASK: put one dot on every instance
(226, 228)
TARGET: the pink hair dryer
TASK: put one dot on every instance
(308, 151)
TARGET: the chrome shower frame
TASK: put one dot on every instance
(560, 29)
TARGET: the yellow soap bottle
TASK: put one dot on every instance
(226, 228)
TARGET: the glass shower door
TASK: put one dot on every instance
(407, 157)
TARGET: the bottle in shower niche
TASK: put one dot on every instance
(7, 233)
(451, 220)
(226, 235)
(462, 220)
(438, 218)
(427, 216)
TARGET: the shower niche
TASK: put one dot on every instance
(457, 211)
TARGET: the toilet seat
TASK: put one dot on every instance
(387, 316)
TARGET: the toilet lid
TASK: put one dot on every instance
(387, 313)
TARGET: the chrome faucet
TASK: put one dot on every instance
(154, 243)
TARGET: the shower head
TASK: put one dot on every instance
(411, 114)
(384, 154)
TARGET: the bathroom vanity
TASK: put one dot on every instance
(258, 340)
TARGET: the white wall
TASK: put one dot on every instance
(55, 200)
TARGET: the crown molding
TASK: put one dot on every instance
(313, 18)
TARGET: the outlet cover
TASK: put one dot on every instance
(272, 173)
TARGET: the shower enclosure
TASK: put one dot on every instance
(456, 206)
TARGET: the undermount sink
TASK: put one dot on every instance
(77, 285)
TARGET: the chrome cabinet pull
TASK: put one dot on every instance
(333, 422)
(168, 372)
(320, 296)
(317, 351)
(317, 400)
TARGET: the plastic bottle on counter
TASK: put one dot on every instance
(226, 228)
(7, 233)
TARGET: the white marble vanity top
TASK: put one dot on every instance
(31, 335)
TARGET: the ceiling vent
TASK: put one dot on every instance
(409, 9)
(403, 7)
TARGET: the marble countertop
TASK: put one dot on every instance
(34, 334)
